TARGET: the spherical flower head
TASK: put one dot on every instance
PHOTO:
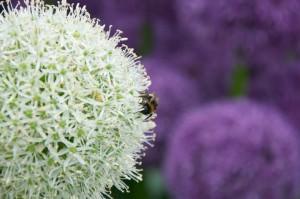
(71, 125)
(233, 149)
(176, 94)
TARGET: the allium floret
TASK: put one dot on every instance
(70, 116)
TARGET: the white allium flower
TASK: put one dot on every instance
(70, 121)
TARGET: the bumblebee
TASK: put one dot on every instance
(149, 104)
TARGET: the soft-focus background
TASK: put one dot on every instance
(227, 73)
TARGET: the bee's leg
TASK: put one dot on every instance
(147, 118)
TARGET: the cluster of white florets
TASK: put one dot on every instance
(70, 121)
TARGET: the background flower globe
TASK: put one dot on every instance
(228, 149)
(248, 23)
(70, 116)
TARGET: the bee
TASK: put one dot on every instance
(149, 103)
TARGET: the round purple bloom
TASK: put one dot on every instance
(233, 149)
(176, 94)
(278, 85)
(245, 23)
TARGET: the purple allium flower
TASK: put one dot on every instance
(246, 23)
(209, 66)
(278, 84)
(176, 94)
(233, 149)
(161, 9)
(227, 33)
(167, 37)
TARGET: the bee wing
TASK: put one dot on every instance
(157, 99)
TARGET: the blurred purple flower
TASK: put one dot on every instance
(209, 66)
(245, 23)
(163, 19)
(176, 95)
(161, 9)
(231, 150)
(167, 37)
(278, 85)
(214, 36)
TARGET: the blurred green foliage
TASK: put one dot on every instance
(152, 187)
(239, 81)
(146, 40)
